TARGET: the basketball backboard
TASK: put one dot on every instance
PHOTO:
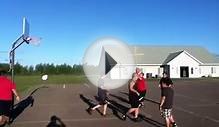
(26, 28)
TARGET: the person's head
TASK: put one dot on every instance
(141, 75)
(165, 74)
(53, 119)
(137, 70)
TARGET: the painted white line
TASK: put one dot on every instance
(202, 105)
(85, 84)
(191, 98)
(65, 120)
(197, 115)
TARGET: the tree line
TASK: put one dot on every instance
(46, 69)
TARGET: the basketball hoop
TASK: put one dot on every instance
(33, 40)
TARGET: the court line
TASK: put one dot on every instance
(65, 120)
(85, 84)
(191, 98)
(195, 114)
(202, 105)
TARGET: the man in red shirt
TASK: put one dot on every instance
(7, 89)
(141, 87)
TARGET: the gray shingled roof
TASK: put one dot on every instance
(217, 58)
(158, 54)
(171, 57)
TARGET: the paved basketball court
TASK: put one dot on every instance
(196, 104)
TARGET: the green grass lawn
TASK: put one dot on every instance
(26, 82)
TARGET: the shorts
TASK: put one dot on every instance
(102, 100)
(5, 107)
(142, 95)
(133, 100)
(165, 113)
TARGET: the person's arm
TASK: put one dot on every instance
(16, 94)
(162, 100)
(160, 83)
(131, 87)
(171, 83)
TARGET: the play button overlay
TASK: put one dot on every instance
(109, 63)
(109, 58)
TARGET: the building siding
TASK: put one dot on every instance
(183, 60)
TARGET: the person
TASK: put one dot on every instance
(166, 103)
(7, 89)
(55, 122)
(133, 97)
(141, 88)
(102, 97)
(165, 79)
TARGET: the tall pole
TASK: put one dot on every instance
(12, 62)
(12, 55)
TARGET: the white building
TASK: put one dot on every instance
(177, 61)
(184, 61)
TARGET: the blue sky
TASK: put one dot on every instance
(68, 27)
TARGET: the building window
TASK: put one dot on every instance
(213, 70)
(192, 70)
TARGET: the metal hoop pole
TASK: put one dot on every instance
(12, 55)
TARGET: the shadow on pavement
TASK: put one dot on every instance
(146, 99)
(141, 117)
(89, 102)
(120, 98)
(22, 105)
(151, 121)
(119, 110)
(55, 122)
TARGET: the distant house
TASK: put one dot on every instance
(177, 61)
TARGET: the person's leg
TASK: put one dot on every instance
(89, 110)
(104, 109)
(95, 107)
(172, 121)
(167, 121)
(165, 115)
(136, 112)
(131, 110)
(6, 119)
(1, 120)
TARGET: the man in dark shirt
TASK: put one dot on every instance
(165, 79)
(102, 97)
(166, 103)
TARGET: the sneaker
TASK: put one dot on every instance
(136, 119)
(104, 115)
(123, 117)
(89, 110)
(174, 125)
